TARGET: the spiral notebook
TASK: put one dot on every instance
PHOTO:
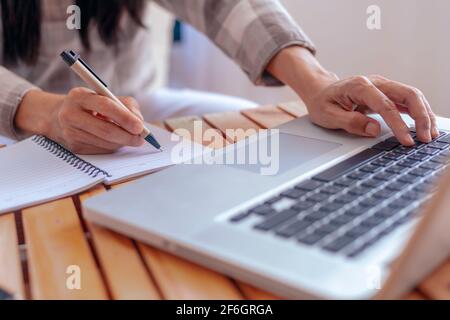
(38, 169)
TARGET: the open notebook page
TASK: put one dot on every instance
(130, 162)
(30, 174)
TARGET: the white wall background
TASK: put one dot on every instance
(413, 46)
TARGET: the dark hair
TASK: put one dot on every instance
(22, 24)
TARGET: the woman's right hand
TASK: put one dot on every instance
(70, 121)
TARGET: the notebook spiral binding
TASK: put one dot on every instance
(69, 157)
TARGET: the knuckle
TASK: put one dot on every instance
(76, 92)
(361, 80)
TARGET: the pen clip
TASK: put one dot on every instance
(91, 71)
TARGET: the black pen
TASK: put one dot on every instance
(86, 73)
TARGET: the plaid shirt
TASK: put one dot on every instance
(250, 32)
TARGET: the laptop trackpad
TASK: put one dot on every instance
(288, 153)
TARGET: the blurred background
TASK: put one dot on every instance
(412, 46)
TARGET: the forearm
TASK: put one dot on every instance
(299, 69)
(36, 111)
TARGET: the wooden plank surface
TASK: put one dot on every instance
(195, 127)
(124, 270)
(253, 293)
(11, 277)
(55, 242)
(268, 116)
(437, 285)
(295, 108)
(242, 126)
(180, 279)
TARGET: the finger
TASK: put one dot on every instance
(105, 130)
(434, 127)
(414, 101)
(80, 136)
(356, 123)
(363, 92)
(87, 149)
(132, 105)
(110, 109)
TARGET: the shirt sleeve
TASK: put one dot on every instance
(12, 90)
(251, 32)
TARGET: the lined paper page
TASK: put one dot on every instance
(29, 175)
(130, 162)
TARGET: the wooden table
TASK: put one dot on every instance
(38, 244)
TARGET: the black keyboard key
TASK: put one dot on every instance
(345, 182)
(370, 203)
(408, 163)
(346, 198)
(293, 228)
(383, 194)
(358, 175)
(326, 229)
(317, 215)
(293, 193)
(372, 183)
(392, 140)
(318, 197)
(444, 139)
(386, 146)
(396, 186)
(440, 159)
(412, 195)
(438, 145)
(303, 205)
(276, 220)
(382, 162)
(386, 212)
(394, 156)
(331, 206)
(396, 169)
(309, 185)
(239, 217)
(421, 172)
(373, 221)
(431, 165)
(359, 191)
(408, 178)
(348, 165)
(264, 210)
(274, 200)
(338, 244)
(357, 231)
(400, 204)
(371, 168)
(418, 157)
(356, 211)
(405, 150)
(310, 239)
(384, 176)
(332, 189)
(429, 151)
(342, 219)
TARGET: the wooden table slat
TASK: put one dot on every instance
(180, 279)
(11, 277)
(120, 261)
(295, 108)
(268, 116)
(253, 293)
(437, 285)
(242, 125)
(189, 124)
(55, 242)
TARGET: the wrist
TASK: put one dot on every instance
(36, 111)
(298, 68)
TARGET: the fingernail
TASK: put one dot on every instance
(372, 129)
(435, 132)
(410, 140)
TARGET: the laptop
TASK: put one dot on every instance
(344, 217)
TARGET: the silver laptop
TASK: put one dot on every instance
(343, 218)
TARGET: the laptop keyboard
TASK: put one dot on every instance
(348, 208)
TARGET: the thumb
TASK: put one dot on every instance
(132, 105)
(357, 123)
